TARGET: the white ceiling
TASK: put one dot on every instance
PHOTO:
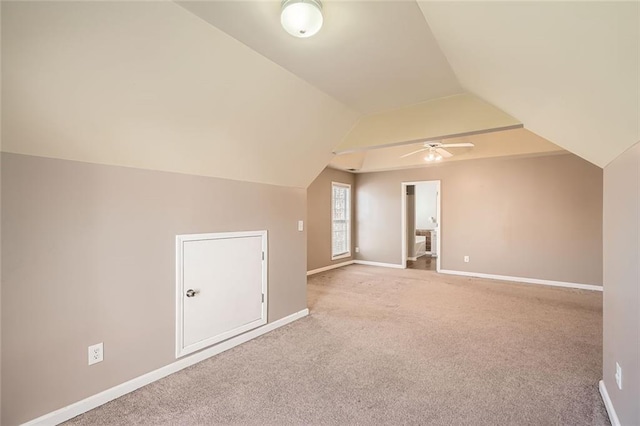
(512, 143)
(149, 85)
(370, 55)
(440, 118)
(570, 71)
(220, 89)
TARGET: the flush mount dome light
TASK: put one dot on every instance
(301, 18)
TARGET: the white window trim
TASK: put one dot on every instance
(341, 256)
(350, 202)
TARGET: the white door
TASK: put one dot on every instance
(221, 287)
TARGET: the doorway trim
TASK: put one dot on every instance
(181, 348)
(403, 220)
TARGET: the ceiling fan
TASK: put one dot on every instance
(437, 150)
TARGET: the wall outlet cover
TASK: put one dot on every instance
(300, 225)
(466, 259)
(619, 376)
(96, 353)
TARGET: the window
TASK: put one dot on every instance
(340, 220)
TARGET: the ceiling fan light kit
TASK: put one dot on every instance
(433, 157)
(437, 151)
(301, 18)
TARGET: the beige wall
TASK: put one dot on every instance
(621, 302)
(89, 256)
(526, 217)
(319, 218)
(0, 283)
(0, 225)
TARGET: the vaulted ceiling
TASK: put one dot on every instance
(217, 88)
(149, 85)
(570, 71)
(372, 56)
(507, 143)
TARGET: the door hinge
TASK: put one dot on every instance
(262, 297)
(262, 255)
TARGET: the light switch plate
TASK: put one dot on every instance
(300, 225)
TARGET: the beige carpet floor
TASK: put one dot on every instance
(385, 346)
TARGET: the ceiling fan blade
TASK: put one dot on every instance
(457, 145)
(414, 152)
(444, 153)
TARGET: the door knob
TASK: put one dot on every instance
(191, 293)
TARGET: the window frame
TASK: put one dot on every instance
(348, 219)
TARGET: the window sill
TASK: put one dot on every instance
(341, 256)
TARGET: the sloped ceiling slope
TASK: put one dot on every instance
(371, 55)
(507, 143)
(568, 70)
(436, 119)
(149, 85)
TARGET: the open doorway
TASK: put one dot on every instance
(421, 225)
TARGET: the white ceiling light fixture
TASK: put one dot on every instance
(301, 18)
(437, 151)
(433, 156)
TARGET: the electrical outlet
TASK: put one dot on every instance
(300, 225)
(357, 249)
(96, 353)
(619, 376)
(466, 259)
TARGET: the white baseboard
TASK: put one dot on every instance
(613, 417)
(413, 258)
(328, 268)
(523, 280)
(70, 411)
(384, 265)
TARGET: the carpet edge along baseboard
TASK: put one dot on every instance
(70, 411)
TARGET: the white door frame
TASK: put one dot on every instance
(403, 210)
(182, 350)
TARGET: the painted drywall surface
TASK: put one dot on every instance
(426, 203)
(0, 221)
(437, 118)
(621, 300)
(319, 218)
(528, 217)
(358, 37)
(0, 281)
(92, 259)
(150, 85)
(506, 143)
(567, 69)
